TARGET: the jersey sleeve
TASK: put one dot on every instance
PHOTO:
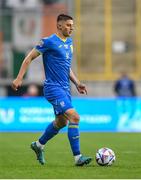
(42, 46)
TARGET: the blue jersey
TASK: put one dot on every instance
(57, 56)
(125, 87)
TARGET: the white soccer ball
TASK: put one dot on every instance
(105, 157)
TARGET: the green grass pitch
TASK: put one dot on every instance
(17, 161)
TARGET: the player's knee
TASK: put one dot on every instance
(60, 123)
(75, 118)
(72, 116)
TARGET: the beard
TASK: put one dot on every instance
(67, 34)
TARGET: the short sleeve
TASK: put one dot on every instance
(42, 46)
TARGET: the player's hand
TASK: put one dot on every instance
(81, 88)
(16, 84)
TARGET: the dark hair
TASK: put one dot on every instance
(63, 17)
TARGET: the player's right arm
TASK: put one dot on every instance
(26, 62)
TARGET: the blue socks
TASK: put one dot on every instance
(50, 131)
(73, 135)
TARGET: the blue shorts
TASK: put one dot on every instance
(59, 98)
(61, 105)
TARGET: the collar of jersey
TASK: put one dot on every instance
(64, 40)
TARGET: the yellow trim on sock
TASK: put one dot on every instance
(73, 126)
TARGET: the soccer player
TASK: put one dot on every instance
(57, 51)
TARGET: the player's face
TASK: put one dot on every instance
(67, 28)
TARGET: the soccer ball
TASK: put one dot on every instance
(105, 157)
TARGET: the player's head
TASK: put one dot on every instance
(65, 24)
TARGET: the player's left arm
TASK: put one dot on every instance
(80, 86)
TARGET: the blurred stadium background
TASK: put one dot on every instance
(107, 41)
